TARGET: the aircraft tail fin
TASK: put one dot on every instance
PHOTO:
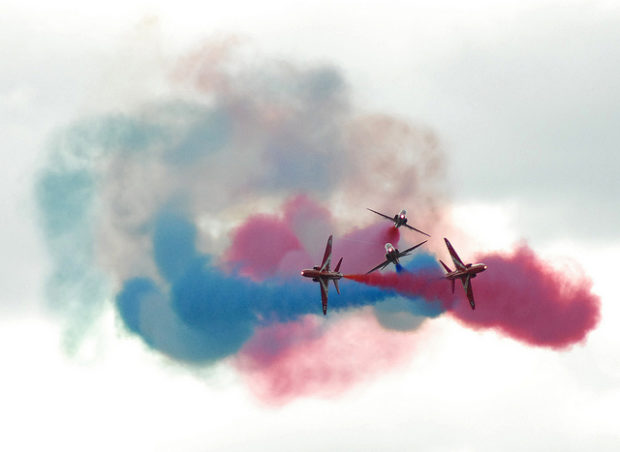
(445, 266)
(337, 269)
(336, 286)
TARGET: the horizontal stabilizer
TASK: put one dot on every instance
(445, 266)
(336, 286)
(337, 269)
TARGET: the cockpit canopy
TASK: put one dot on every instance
(389, 248)
(403, 213)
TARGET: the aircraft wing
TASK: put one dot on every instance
(458, 263)
(408, 250)
(379, 213)
(380, 266)
(417, 230)
(327, 257)
(324, 292)
(469, 291)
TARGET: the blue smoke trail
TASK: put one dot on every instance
(66, 193)
(208, 314)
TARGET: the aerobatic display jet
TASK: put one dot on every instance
(323, 275)
(399, 220)
(392, 255)
(464, 272)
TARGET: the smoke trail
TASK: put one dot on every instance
(519, 295)
(525, 298)
(199, 313)
(308, 357)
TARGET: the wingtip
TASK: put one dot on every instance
(419, 245)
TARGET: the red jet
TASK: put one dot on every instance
(323, 275)
(399, 220)
(392, 255)
(464, 272)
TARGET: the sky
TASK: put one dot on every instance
(169, 170)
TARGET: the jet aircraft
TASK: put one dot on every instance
(392, 255)
(464, 272)
(399, 220)
(323, 275)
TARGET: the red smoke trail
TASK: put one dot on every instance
(309, 357)
(425, 284)
(519, 295)
(525, 298)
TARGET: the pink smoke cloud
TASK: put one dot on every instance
(519, 295)
(364, 248)
(311, 358)
(272, 245)
(529, 300)
(259, 246)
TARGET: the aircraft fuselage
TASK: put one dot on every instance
(471, 269)
(315, 274)
(392, 255)
(400, 219)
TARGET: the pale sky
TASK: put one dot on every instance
(524, 99)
